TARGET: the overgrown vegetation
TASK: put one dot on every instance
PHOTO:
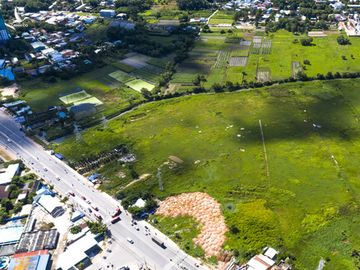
(308, 205)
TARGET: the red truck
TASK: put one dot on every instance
(117, 212)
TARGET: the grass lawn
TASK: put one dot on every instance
(308, 206)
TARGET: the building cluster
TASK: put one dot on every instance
(247, 4)
(267, 260)
(69, 20)
(31, 238)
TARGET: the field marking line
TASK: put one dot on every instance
(264, 148)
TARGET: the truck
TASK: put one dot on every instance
(158, 241)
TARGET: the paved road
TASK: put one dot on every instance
(66, 179)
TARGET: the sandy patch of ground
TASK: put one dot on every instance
(6, 155)
(9, 90)
(206, 211)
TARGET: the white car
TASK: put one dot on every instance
(130, 240)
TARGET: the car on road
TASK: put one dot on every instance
(117, 212)
(89, 209)
(115, 219)
(98, 216)
(137, 228)
(71, 193)
(83, 197)
(95, 208)
(130, 240)
(45, 169)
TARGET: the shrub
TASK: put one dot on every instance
(342, 40)
(75, 229)
(306, 41)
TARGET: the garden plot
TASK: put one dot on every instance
(263, 75)
(148, 73)
(238, 61)
(136, 60)
(256, 47)
(245, 44)
(138, 84)
(121, 76)
(222, 59)
(266, 46)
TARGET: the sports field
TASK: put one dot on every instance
(140, 84)
(301, 197)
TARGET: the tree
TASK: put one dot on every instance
(75, 229)
(7, 204)
(192, 4)
(306, 41)
(199, 79)
(97, 227)
(3, 215)
(217, 87)
(342, 40)
(146, 93)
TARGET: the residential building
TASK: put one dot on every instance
(37, 260)
(52, 205)
(4, 32)
(107, 13)
(7, 174)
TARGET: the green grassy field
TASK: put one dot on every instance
(308, 206)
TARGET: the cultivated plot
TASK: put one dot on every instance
(136, 60)
(263, 75)
(222, 59)
(121, 76)
(238, 61)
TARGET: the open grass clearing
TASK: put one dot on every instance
(307, 207)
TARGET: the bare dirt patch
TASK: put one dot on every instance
(206, 211)
(10, 90)
(5, 155)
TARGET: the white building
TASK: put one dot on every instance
(7, 174)
(80, 251)
(52, 205)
